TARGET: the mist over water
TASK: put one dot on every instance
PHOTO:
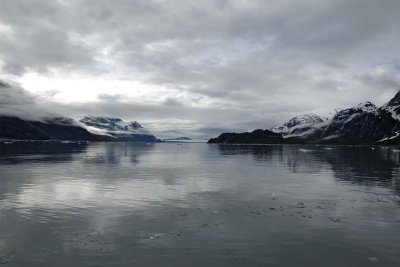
(125, 204)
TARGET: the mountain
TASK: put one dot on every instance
(60, 128)
(22, 117)
(256, 137)
(346, 115)
(361, 124)
(393, 107)
(181, 139)
(299, 125)
(47, 129)
(117, 128)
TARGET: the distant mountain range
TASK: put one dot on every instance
(130, 131)
(362, 124)
(177, 139)
(83, 129)
(22, 118)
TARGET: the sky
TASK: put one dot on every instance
(197, 68)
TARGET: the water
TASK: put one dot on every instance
(123, 204)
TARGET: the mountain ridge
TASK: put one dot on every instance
(361, 124)
(61, 128)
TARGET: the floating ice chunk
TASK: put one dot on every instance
(335, 219)
(373, 259)
(301, 205)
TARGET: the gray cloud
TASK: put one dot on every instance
(15, 101)
(255, 63)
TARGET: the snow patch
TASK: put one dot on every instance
(397, 134)
(392, 111)
(366, 107)
(334, 136)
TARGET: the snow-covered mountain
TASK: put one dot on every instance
(342, 116)
(85, 129)
(361, 124)
(23, 118)
(320, 129)
(299, 125)
(393, 107)
(366, 107)
(392, 110)
(116, 127)
(338, 125)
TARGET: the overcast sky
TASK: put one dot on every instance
(198, 67)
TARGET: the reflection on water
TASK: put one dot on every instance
(124, 204)
(356, 164)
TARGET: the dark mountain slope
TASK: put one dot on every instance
(255, 137)
(50, 129)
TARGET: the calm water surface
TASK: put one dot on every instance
(124, 204)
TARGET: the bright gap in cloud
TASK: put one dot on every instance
(80, 89)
